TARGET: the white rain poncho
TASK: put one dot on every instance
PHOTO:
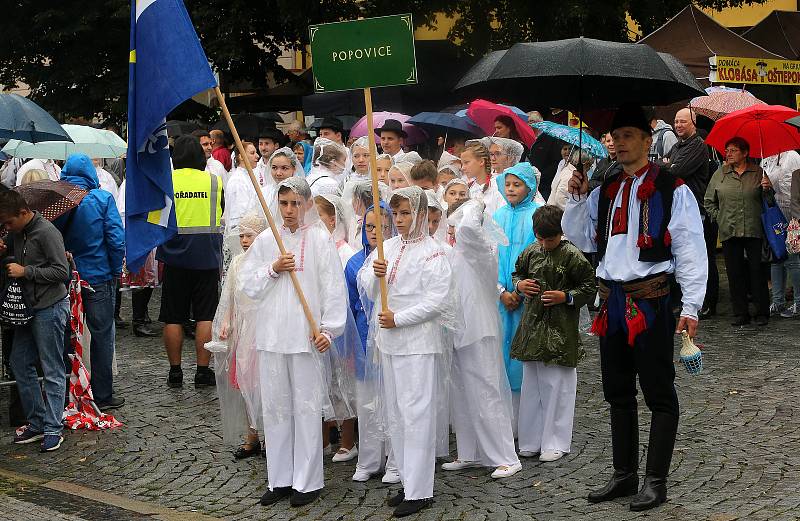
(448, 160)
(512, 151)
(358, 195)
(277, 171)
(440, 233)
(412, 157)
(360, 147)
(283, 330)
(343, 228)
(419, 281)
(233, 334)
(400, 171)
(328, 164)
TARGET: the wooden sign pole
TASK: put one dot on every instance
(240, 148)
(376, 198)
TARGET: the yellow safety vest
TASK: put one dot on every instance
(198, 201)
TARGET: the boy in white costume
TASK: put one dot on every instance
(480, 393)
(410, 341)
(295, 367)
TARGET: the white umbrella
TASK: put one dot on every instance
(94, 142)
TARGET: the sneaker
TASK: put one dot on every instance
(25, 435)
(506, 471)
(551, 455)
(51, 442)
(345, 455)
(458, 465)
(411, 506)
(391, 476)
(143, 330)
(528, 453)
(776, 309)
(114, 402)
(361, 475)
(271, 497)
(791, 311)
(175, 378)
(204, 377)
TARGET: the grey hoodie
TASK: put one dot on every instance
(40, 248)
(664, 139)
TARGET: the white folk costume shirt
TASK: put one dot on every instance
(322, 181)
(215, 167)
(107, 182)
(418, 276)
(621, 261)
(283, 327)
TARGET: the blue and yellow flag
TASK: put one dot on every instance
(167, 67)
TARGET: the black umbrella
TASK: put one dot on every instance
(248, 125)
(22, 119)
(579, 73)
(177, 128)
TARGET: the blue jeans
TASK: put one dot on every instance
(779, 272)
(42, 339)
(99, 308)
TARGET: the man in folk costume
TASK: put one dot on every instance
(644, 224)
(295, 365)
(411, 342)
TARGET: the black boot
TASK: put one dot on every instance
(663, 428)
(625, 448)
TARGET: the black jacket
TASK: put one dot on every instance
(688, 160)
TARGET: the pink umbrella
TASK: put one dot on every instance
(722, 101)
(483, 113)
(415, 134)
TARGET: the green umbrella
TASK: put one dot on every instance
(94, 142)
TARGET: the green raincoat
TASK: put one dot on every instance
(550, 334)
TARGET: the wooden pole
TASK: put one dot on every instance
(376, 198)
(240, 148)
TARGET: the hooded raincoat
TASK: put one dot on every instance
(517, 223)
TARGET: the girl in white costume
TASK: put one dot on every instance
(338, 219)
(477, 167)
(328, 164)
(299, 372)
(410, 342)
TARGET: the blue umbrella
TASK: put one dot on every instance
(516, 110)
(573, 136)
(22, 119)
(446, 122)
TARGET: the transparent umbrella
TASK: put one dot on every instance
(94, 142)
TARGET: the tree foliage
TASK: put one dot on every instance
(74, 54)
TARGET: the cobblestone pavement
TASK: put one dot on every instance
(737, 454)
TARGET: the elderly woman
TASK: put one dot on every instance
(733, 200)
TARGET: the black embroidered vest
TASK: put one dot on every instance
(660, 250)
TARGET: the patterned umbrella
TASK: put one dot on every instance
(51, 198)
(573, 136)
(723, 100)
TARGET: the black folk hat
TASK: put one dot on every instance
(392, 125)
(332, 123)
(631, 115)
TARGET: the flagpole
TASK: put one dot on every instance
(376, 199)
(240, 148)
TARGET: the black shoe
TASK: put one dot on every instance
(271, 497)
(113, 403)
(621, 485)
(246, 450)
(204, 377)
(300, 499)
(707, 313)
(653, 493)
(147, 320)
(741, 321)
(762, 321)
(396, 500)
(411, 506)
(119, 323)
(175, 378)
(143, 330)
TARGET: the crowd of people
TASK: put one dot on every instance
(493, 254)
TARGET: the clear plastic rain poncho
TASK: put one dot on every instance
(474, 261)
(419, 278)
(343, 229)
(358, 195)
(440, 234)
(282, 325)
(511, 149)
(403, 168)
(327, 171)
(448, 160)
(412, 157)
(358, 147)
(233, 334)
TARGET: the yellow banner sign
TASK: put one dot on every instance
(726, 69)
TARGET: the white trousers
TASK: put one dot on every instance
(515, 412)
(372, 449)
(294, 443)
(547, 407)
(410, 394)
(481, 410)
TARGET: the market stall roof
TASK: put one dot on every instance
(692, 36)
(779, 32)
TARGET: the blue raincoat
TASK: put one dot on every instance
(308, 155)
(351, 276)
(517, 223)
(93, 231)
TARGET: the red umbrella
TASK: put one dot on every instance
(764, 128)
(483, 113)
